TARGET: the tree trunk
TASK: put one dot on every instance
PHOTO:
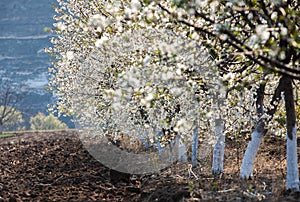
(256, 137)
(292, 177)
(182, 152)
(292, 180)
(195, 147)
(219, 148)
(1, 128)
(251, 151)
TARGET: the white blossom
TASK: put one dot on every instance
(135, 5)
(70, 55)
(262, 32)
(60, 25)
(283, 31)
(100, 41)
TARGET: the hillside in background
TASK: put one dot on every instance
(23, 61)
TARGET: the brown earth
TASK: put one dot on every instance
(55, 167)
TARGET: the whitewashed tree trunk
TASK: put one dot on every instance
(251, 151)
(195, 147)
(182, 151)
(219, 148)
(256, 137)
(292, 177)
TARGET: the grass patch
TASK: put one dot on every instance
(6, 135)
(36, 132)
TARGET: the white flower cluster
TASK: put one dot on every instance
(137, 84)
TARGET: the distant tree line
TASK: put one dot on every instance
(11, 119)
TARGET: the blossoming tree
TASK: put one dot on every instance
(253, 40)
(141, 74)
(255, 45)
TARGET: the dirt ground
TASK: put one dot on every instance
(55, 167)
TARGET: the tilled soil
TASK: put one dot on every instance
(54, 166)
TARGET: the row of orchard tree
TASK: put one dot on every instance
(194, 67)
(11, 119)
